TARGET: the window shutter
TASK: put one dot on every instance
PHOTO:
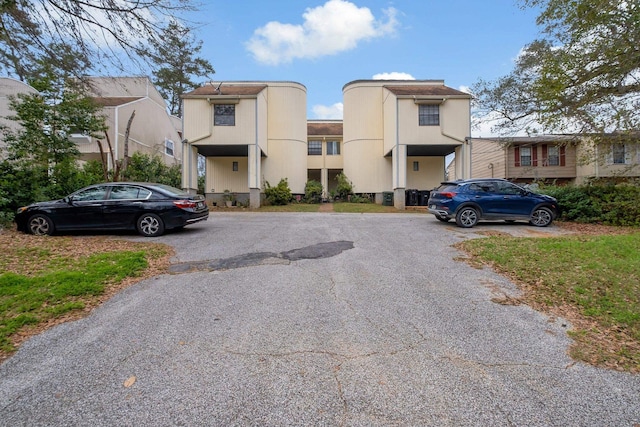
(516, 150)
(534, 155)
(545, 155)
(563, 161)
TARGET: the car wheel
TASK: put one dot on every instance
(40, 225)
(443, 219)
(467, 217)
(541, 217)
(150, 225)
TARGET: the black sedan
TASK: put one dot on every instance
(146, 207)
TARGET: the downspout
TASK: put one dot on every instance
(116, 134)
(257, 149)
(397, 156)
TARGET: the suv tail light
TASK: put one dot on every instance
(185, 204)
(448, 195)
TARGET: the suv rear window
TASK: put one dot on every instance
(447, 188)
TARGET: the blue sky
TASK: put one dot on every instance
(325, 44)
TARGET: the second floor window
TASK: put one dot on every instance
(525, 156)
(553, 156)
(333, 148)
(428, 115)
(619, 154)
(315, 148)
(224, 115)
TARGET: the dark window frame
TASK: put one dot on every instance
(224, 114)
(314, 148)
(429, 115)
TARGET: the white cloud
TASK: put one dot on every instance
(328, 112)
(394, 75)
(334, 27)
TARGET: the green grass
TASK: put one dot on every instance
(59, 288)
(363, 208)
(598, 276)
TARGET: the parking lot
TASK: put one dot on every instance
(278, 319)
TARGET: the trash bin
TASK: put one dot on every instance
(411, 197)
(424, 198)
(387, 198)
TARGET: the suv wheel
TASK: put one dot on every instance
(541, 217)
(467, 217)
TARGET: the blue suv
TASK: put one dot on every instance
(472, 200)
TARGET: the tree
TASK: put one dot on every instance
(582, 76)
(41, 159)
(102, 31)
(177, 63)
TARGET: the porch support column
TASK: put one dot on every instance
(189, 167)
(324, 180)
(254, 171)
(399, 172)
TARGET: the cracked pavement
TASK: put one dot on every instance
(278, 319)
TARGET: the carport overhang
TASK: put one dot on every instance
(232, 150)
(429, 150)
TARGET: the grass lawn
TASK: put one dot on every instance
(48, 280)
(591, 280)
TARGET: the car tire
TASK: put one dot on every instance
(150, 225)
(40, 225)
(467, 217)
(541, 217)
(443, 219)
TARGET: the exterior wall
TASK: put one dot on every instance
(365, 163)
(488, 159)
(221, 176)
(597, 162)
(429, 175)
(542, 171)
(150, 127)
(287, 135)
(10, 88)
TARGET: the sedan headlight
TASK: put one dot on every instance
(22, 209)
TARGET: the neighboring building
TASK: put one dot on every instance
(153, 131)
(394, 136)
(10, 88)
(553, 158)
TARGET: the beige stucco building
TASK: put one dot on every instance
(394, 136)
(153, 131)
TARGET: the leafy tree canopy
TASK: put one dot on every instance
(583, 75)
(100, 31)
(177, 64)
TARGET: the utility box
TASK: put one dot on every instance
(387, 198)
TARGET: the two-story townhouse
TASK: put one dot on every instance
(397, 135)
(251, 134)
(555, 158)
(152, 130)
(394, 135)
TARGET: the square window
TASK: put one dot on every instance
(224, 115)
(333, 148)
(314, 148)
(429, 115)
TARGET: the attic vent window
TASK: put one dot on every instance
(224, 115)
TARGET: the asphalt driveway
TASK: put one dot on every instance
(314, 319)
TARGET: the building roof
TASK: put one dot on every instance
(433, 90)
(226, 89)
(115, 100)
(324, 128)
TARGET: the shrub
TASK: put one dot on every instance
(313, 192)
(607, 204)
(344, 187)
(278, 195)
